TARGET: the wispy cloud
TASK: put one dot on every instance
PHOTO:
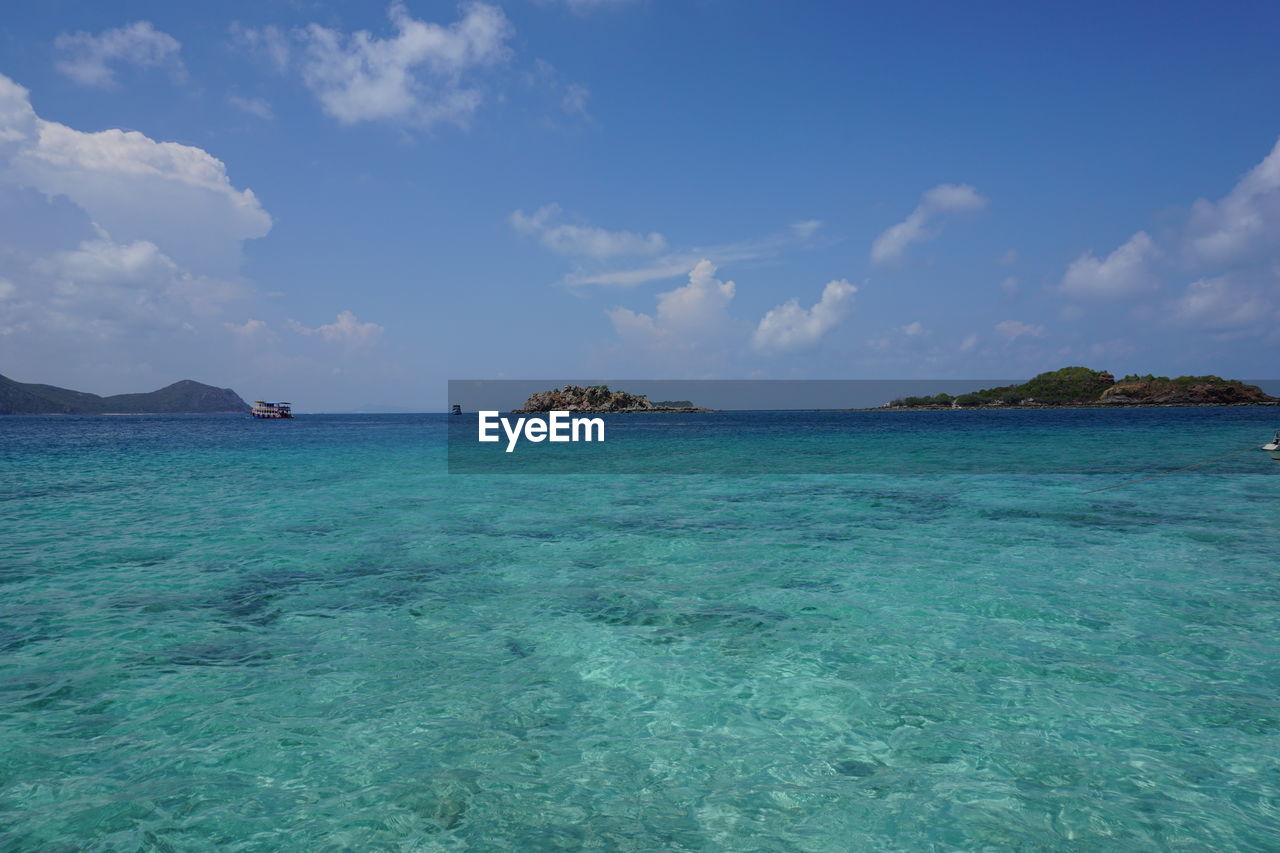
(942, 200)
(1013, 329)
(259, 107)
(90, 59)
(680, 263)
(580, 239)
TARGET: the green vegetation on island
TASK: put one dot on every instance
(1081, 386)
(185, 397)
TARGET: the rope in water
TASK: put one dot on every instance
(1175, 470)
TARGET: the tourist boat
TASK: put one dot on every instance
(455, 409)
(263, 409)
(1273, 444)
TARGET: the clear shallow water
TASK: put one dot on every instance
(221, 633)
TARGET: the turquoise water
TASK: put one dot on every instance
(217, 633)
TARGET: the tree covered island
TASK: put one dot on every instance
(1071, 387)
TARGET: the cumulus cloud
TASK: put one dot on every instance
(942, 200)
(789, 327)
(1226, 304)
(1230, 247)
(1013, 329)
(422, 75)
(176, 196)
(90, 59)
(583, 240)
(1124, 273)
(106, 291)
(111, 238)
(683, 314)
(1243, 224)
(346, 329)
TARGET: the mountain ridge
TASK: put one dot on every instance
(183, 397)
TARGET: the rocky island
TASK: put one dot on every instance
(597, 399)
(1081, 387)
(180, 398)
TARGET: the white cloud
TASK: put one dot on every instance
(270, 41)
(1233, 245)
(970, 342)
(583, 7)
(176, 196)
(679, 263)
(583, 240)
(943, 199)
(574, 101)
(789, 327)
(683, 314)
(1227, 304)
(88, 59)
(907, 336)
(1014, 329)
(422, 75)
(108, 291)
(251, 330)
(570, 98)
(112, 236)
(1124, 273)
(1010, 285)
(346, 329)
(806, 229)
(1009, 258)
(1244, 224)
(259, 107)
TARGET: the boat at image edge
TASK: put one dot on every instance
(271, 411)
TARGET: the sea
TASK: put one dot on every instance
(225, 634)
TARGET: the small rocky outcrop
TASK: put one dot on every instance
(594, 399)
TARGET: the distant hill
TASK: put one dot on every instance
(185, 397)
(1080, 386)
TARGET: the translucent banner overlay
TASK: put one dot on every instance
(760, 427)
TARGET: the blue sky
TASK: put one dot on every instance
(350, 203)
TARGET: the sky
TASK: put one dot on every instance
(348, 204)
